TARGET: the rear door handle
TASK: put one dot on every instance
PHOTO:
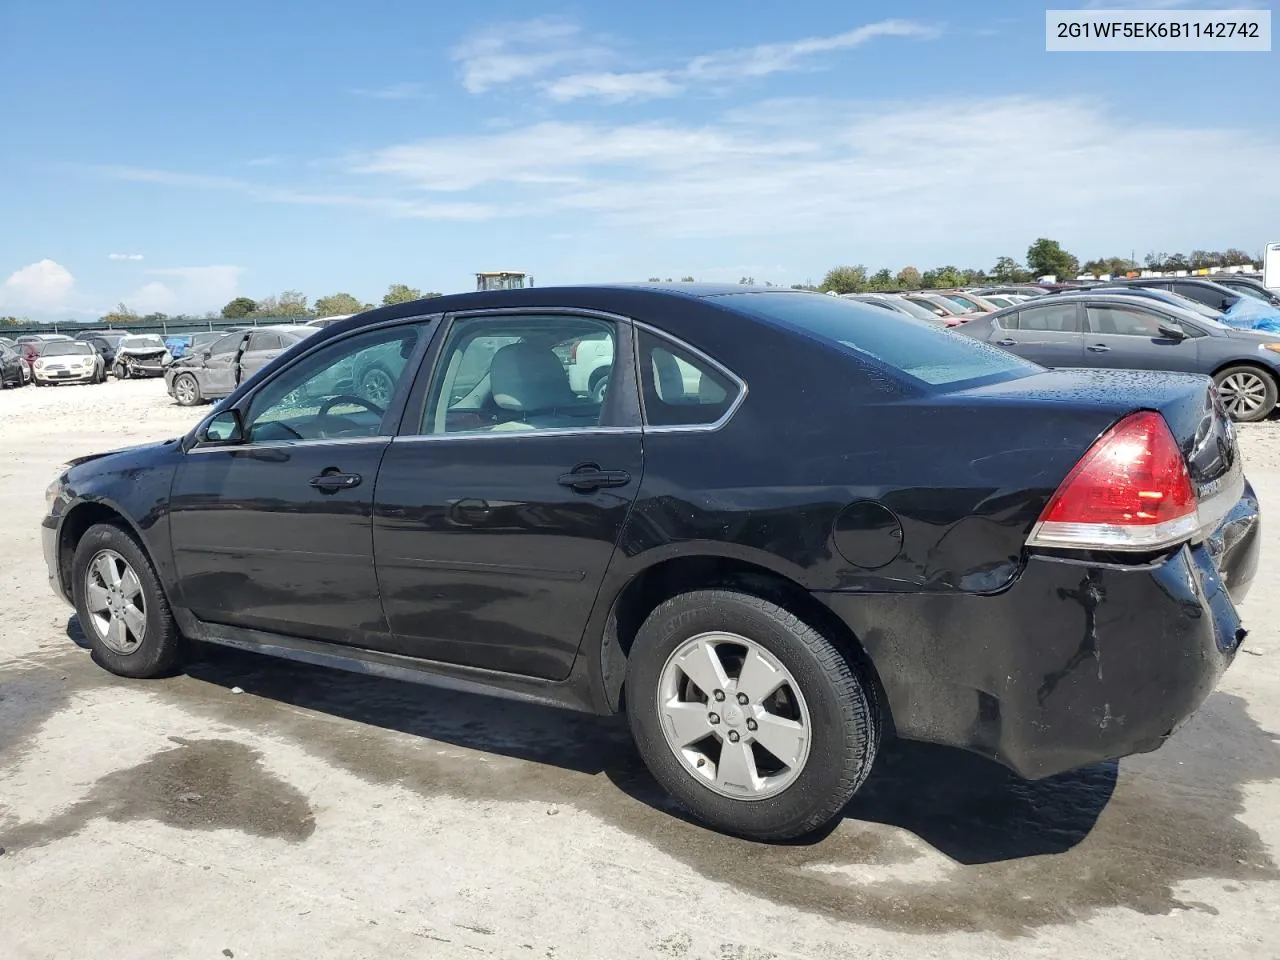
(1098, 348)
(332, 482)
(587, 478)
(1007, 342)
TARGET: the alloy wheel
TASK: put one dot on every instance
(1243, 393)
(184, 387)
(734, 716)
(377, 387)
(116, 604)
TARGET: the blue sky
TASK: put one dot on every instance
(172, 156)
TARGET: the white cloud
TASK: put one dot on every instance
(269, 161)
(124, 256)
(41, 286)
(726, 66)
(506, 52)
(186, 289)
(959, 179)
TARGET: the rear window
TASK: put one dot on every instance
(924, 352)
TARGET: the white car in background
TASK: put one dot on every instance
(68, 361)
(589, 360)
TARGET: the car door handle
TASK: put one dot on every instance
(1098, 348)
(332, 482)
(589, 477)
(1007, 342)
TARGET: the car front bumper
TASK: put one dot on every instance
(148, 368)
(65, 376)
(1076, 662)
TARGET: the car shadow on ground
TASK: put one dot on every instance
(966, 807)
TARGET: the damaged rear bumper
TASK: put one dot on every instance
(1076, 662)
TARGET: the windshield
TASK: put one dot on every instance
(925, 353)
(917, 311)
(149, 342)
(64, 348)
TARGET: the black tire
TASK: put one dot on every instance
(1244, 411)
(121, 371)
(194, 398)
(594, 385)
(158, 654)
(845, 722)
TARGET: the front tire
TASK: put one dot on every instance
(121, 605)
(783, 737)
(186, 390)
(1247, 393)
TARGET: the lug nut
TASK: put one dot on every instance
(702, 761)
(733, 736)
(751, 724)
(742, 699)
(713, 718)
(719, 695)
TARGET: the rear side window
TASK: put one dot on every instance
(681, 389)
(931, 356)
(1050, 318)
(1124, 321)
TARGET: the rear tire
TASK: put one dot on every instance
(822, 715)
(1248, 393)
(121, 606)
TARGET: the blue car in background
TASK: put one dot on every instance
(180, 344)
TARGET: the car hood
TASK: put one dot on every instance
(142, 351)
(142, 452)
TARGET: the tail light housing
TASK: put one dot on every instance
(1131, 491)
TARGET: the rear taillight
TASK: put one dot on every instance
(573, 352)
(1130, 491)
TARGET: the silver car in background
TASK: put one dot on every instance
(140, 355)
(214, 371)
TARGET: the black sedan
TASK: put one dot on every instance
(13, 368)
(787, 529)
(1141, 331)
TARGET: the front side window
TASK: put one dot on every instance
(1124, 321)
(679, 388)
(499, 374)
(341, 391)
(227, 344)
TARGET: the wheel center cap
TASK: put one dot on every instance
(732, 715)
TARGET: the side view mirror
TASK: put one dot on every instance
(225, 427)
(1171, 332)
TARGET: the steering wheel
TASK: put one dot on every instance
(348, 398)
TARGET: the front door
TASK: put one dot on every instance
(275, 532)
(1129, 337)
(262, 347)
(498, 508)
(218, 370)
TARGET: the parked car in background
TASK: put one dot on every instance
(30, 346)
(1120, 330)
(104, 341)
(326, 321)
(180, 344)
(766, 580)
(13, 369)
(1238, 309)
(969, 301)
(141, 355)
(951, 313)
(900, 305)
(68, 361)
(216, 370)
(1002, 299)
(1249, 286)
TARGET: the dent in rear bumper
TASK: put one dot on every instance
(1074, 663)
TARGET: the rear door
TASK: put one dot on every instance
(263, 347)
(1047, 334)
(499, 505)
(1129, 337)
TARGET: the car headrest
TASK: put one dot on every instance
(526, 377)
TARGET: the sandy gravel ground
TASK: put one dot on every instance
(323, 815)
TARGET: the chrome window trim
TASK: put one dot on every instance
(213, 446)
(714, 364)
(516, 434)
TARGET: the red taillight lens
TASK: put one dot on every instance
(1130, 491)
(573, 352)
